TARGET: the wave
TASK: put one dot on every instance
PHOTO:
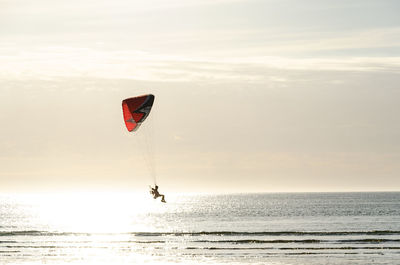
(267, 233)
(215, 238)
(293, 248)
(253, 241)
(373, 241)
(41, 233)
(306, 241)
(205, 233)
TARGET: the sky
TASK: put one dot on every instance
(251, 96)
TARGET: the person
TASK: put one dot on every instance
(156, 194)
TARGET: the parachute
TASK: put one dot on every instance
(136, 110)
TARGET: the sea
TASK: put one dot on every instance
(256, 228)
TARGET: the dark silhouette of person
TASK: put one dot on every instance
(156, 194)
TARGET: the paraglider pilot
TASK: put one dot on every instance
(156, 194)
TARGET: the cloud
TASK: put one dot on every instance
(100, 6)
(52, 62)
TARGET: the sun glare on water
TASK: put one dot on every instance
(90, 227)
(96, 212)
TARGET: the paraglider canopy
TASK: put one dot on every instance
(136, 110)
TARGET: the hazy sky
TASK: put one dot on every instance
(272, 95)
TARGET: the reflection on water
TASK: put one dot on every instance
(86, 212)
(117, 228)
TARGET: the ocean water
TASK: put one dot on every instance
(124, 228)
